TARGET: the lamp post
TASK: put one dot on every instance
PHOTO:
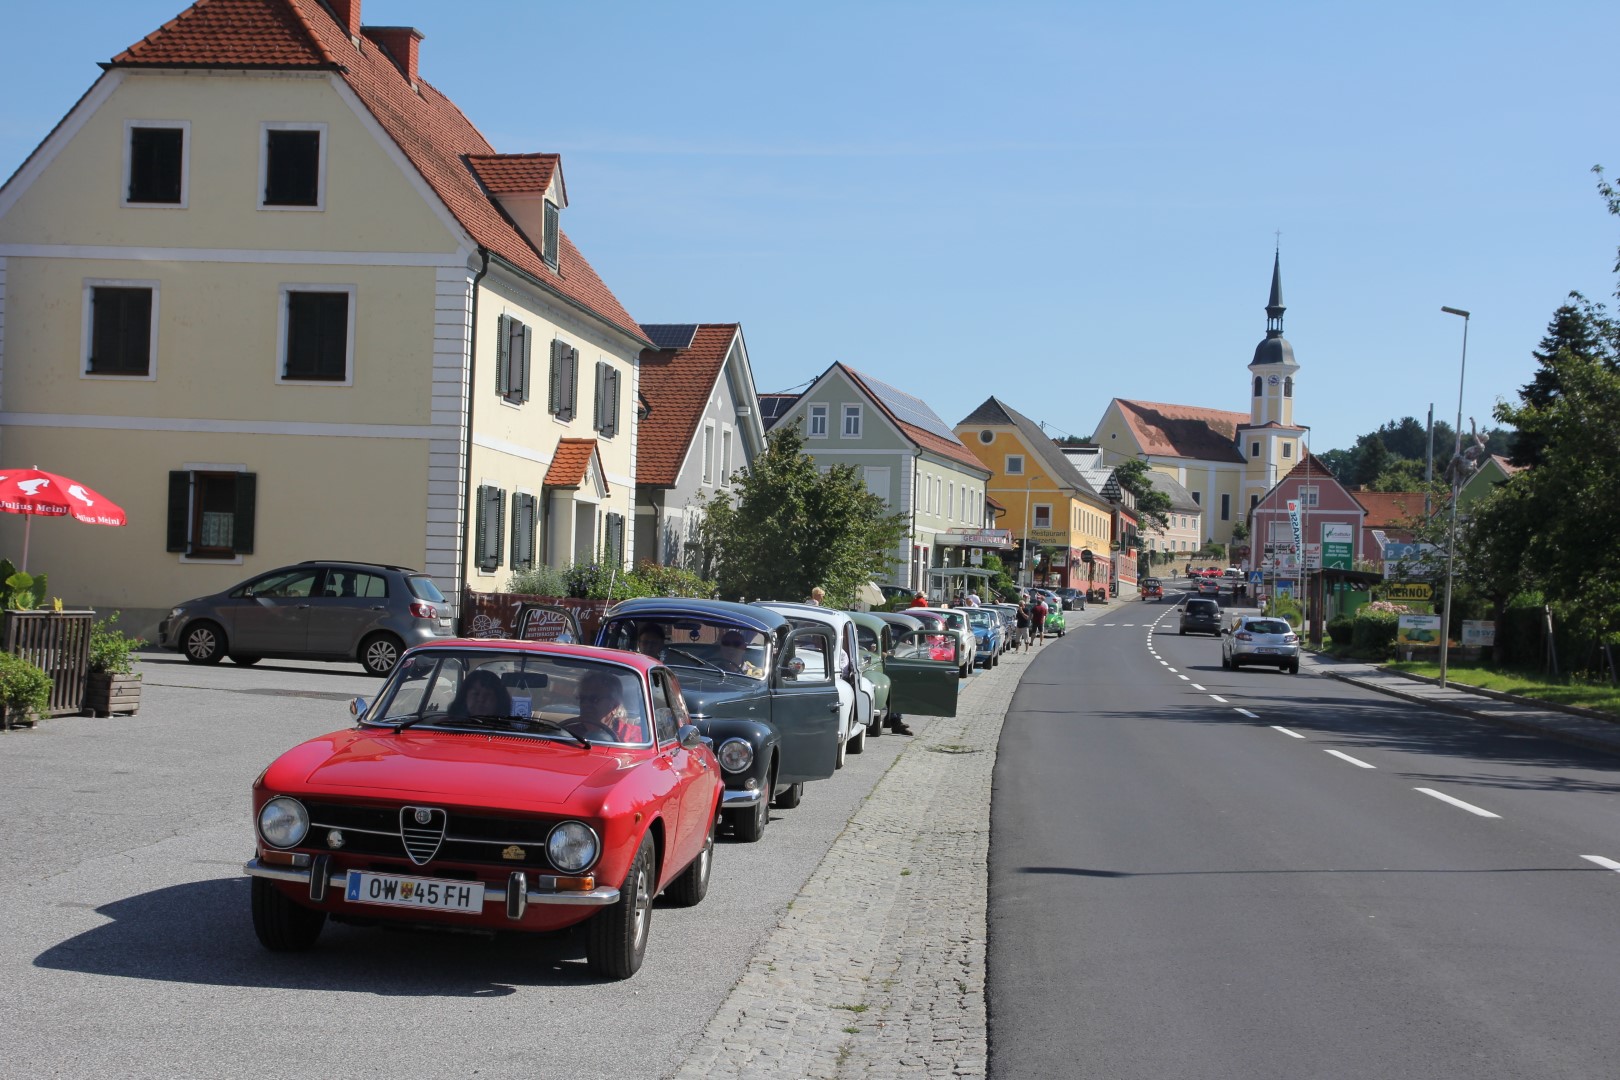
(1456, 487)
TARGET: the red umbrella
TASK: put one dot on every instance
(34, 491)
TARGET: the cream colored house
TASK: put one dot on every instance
(274, 294)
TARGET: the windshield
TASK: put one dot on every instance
(953, 619)
(984, 619)
(693, 643)
(556, 697)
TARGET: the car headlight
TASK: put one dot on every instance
(735, 755)
(572, 846)
(283, 822)
(175, 613)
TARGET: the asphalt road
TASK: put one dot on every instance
(128, 950)
(1200, 873)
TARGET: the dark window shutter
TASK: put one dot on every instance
(571, 378)
(554, 391)
(292, 172)
(523, 367)
(549, 243)
(521, 534)
(120, 331)
(317, 336)
(613, 402)
(247, 501)
(498, 503)
(155, 156)
(481, 526)
(503, 356)
(179, 511)
(597, 412)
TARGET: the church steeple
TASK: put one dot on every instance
(1275, 309)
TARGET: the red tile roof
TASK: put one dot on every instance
(569, 463)
(677, 383)
(427, 126)
(514, 174)
(1185, 431)
(1389, 508)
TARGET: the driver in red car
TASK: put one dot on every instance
(601, 701)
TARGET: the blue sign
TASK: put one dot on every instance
(1256, 577)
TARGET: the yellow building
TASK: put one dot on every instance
(269, 290)
(1226, 460)
(1049, 504)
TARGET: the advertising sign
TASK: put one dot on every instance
(976, 557)
(1293, 519)
(1417, 630)
(1060, 558)
(1337, 540)
(1480, 632)
(1419, 591)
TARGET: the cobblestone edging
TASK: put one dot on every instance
(900, 991)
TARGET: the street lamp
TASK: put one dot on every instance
(1456, 489)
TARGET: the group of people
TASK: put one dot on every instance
(600, 697)
(1031, 626)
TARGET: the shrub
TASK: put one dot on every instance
(20, 591)
(539, 581)
(1341, 628)
(1283, 607)
(650, 579)
(24, 688)
(112, 652)
(1374, 633)
(592, 581)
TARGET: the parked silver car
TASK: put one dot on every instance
(315, 610)
(1257, 639)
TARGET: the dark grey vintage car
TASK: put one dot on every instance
(771, 715)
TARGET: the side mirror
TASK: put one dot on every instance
(357, 706)
(690, 737)
(793, 668)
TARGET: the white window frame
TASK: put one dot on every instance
(1309, 496)
(818, 412)
(849, 411)
(725, 455)
(1015, 465)
(950, 500)
(87, 329)
(1035, 516)
(281, 333)
(708, 453)
(184, 126)
(265, 128)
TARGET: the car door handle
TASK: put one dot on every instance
(835, 706)
(379, 607)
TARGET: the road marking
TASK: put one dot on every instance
(1351, 760)
(1166, 663)
(1607, 864)
(1218, 698)
(1472, 809)
(1195, 686)
(1284, 730)
(1250, 715)
(1181, 676)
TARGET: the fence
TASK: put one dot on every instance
(494, 615)
(57, 642)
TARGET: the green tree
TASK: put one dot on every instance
(793, 527)
(1152, 505)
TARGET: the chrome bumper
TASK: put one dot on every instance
(518, 893)
(731, 799)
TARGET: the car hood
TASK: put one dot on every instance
(474, 769)
(712, 694)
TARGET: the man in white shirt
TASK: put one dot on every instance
(972, 598)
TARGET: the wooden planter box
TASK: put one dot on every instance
(109, 695)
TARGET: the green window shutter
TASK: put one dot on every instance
(554, 389)
(498, 504)
(481, 525)
(179, 511)
(503, 356)
(612, 427)
(548, 243)
(247, 500)
(601, 392)
(523, 365)
(571, 379)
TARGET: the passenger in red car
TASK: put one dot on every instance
(601, 701)
(482, 695)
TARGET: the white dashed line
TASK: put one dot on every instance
(1607, 864)
(1354, 761)
(1470, 807)
(1195, 686)
(1181, 676)
(1285, 731)
(1249, 714)
(1166, 663)
(1218, 698)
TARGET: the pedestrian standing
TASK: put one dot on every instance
(1038, 618)
(919, 601)
(817, 595)
(1023, 625)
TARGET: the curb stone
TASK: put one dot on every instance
(899, 993)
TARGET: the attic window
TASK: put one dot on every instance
(548, 244)
(292, 166)
(987, 436)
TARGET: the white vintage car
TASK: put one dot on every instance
(855, 693)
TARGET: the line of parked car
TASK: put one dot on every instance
(540, 785)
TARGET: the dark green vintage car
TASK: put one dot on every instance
(895, 659)
(761, 690)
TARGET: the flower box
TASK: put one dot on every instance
(106, 694)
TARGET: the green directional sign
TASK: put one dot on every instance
(1337, 539)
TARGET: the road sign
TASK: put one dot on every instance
(1410, 590)
(1256, 577)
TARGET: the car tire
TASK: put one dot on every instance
(245, 661)
(966, 670)
(1226, 662)
(692, 886)
(748, 823)
(1293, 669)
(791, 796)
(280, 924)
(203, 642)
(1182, 631)
(616, 939)
(379, 653)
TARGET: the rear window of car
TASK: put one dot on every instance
(1269, 626)
(1202, 607)
(422, 588)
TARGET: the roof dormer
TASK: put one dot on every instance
(529, 189)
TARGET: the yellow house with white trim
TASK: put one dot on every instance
(272, 293)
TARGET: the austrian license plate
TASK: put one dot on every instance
(1267, 652)
(432, 894)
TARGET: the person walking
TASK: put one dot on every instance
(1023, 625)
(1038, 617)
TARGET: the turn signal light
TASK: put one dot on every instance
(424, 611)
(576, 884)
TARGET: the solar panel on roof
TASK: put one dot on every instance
(670, 335)
(908, 409)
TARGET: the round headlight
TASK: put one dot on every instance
(572, 846)
(283, 822)
(735, 755)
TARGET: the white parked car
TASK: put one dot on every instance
(855, 694)
(956, 621)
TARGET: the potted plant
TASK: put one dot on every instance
(112, 686)
(25, 691)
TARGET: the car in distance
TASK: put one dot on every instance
(1152, 589)
(316, 610)
(1200, 615)
(988, 634)
(895, 658)
(494, 785)
(1256, 639)
(1209, 586)
(1073, 599)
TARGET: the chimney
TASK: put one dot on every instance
(401, 42)
(347, 13)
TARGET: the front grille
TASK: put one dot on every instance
(449, 836)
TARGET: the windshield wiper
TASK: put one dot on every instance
(695, 659)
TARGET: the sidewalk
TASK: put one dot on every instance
(1587, 730)
(877, 967)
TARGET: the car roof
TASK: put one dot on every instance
(813, 612)
(746, 615)
(623, 657)
(899, 618)
(353, 562)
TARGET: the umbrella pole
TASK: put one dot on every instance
(28, 525)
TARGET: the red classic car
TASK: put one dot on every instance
(493, 785)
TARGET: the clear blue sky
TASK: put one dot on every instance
(1054, 203)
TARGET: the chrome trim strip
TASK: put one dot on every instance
(733, 798)
(544, 890)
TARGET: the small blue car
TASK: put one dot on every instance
(989, 635)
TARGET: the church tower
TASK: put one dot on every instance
(1271, 443)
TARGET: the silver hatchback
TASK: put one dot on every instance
(1258, 639)
(316, 610)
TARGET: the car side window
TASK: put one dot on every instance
(292, 583)
(666, 721)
